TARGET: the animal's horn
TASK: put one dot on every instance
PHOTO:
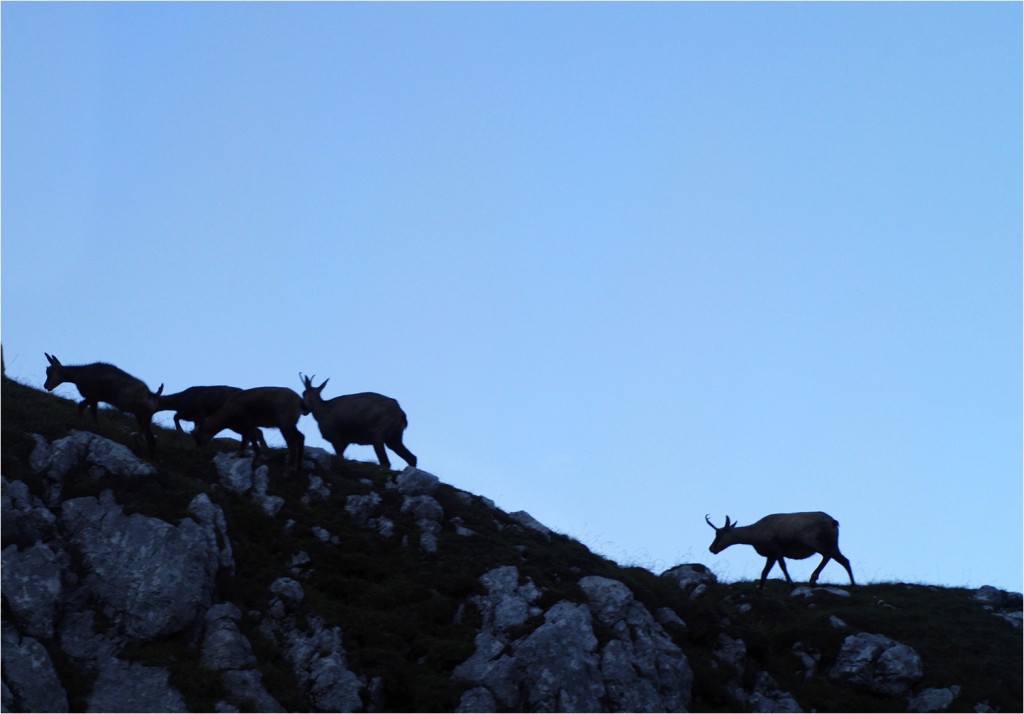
(708, 519)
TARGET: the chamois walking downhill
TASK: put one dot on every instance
(101, 382)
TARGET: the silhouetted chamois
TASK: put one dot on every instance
(249, 409)
(367, 419)
(102, 382)
(196, 403)
(785, 535)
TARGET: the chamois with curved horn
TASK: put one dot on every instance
(101, 382)
(196, 403)
(367, 418)
(249, 409)
(785, 535)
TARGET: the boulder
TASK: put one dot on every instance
(690, 576)
(525, 520)
(933, 700)
(556, 667)
(507, 603)
(415, 482)
(226, 650)
(25, 519)
(317, 458)
(152, 578)
(224, 646)
(210, 517)
(260, 483)
(123, 686)
(235, 472)
(804, 591)
(553, 668)
(83, 449)
(608, 598)
(31, 682)
(32, 588)
(428, 514)
(362, 508)
(877, 664)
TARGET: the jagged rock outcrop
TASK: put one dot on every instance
(227, 651)
(25, 519)
(31, 683)
(561, 665)
(239, 474)
(1005, 605)
(152, 578)
(83, 450)
(144, 577)
(314, 650)
(764, 695)
(32, 587)
(107, 608)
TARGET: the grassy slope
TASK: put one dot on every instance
(399, 610)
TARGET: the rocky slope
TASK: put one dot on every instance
(209, 582)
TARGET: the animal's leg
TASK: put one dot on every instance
(177, 423)
(296, 444)
(764, 573)
(145, 424)
(398, 447)
(782, 564)
(339, 448)
(260, 440)
(253, 437)
(841, 559)
(382, 456)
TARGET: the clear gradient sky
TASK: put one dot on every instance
(622, 264)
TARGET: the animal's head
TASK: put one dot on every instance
(54, 373)
(723, 535)
(310, 394)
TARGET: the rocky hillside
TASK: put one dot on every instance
(208, 582)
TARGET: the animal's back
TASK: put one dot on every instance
(793, 525)
(364, 417)
(211, 398)
(110, 384)
(265, 405)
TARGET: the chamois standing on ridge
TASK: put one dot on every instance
(196, 403)
(367, 418)
(249, 409)
(101, 382)
(785, 535)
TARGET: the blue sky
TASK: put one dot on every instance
(622, 264)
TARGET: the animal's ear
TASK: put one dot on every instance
(728, 524)
(320, 388)
(158, 392)
(52, 360)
